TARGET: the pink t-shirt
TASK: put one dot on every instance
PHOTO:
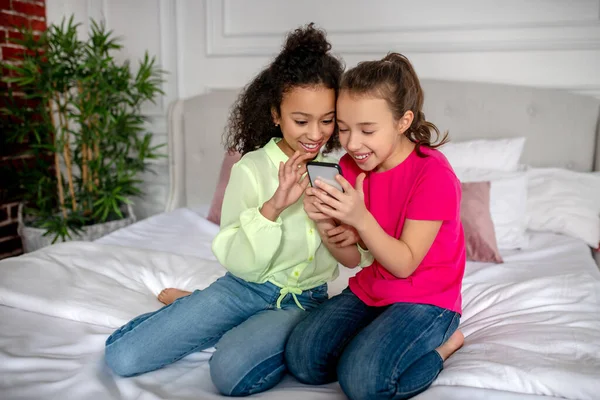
(419, 188)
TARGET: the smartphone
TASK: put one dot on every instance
(324, 171)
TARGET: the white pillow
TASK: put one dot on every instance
(566, 202)
(487, 154)
(508, 204)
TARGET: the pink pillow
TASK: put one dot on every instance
(480, 237)
(214, 214)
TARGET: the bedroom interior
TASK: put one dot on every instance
(517, 86)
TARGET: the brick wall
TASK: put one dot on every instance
(13, 13)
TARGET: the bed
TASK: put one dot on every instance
(532, 322)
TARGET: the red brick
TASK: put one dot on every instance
(14, 211)
(4, 214)
(12, 149)
(11, 195)
(12, 21)
(10, 191)
(15, 253)
(19, 101)
(35, 2)
(12, 53)
(8, 230)
(3, 37)
(18, 161)
(29, 102)
(38, 25)
(19, 36)
(5, 5)
(29, 8)
(10, 247)
(14, 35)
(5, 71)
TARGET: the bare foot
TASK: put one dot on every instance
(167, 296)
(454, 343)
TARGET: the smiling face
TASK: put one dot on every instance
(306, 119)
(370, 134)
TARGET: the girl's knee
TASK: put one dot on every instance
(295, 351)
(220, 374)
(361, 382)
(305, 359)
(372, 381)
(234, 377)
(357, 381)
(123, 361)
(362, 375)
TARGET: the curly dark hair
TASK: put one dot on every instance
(304, 60)
(394, 79)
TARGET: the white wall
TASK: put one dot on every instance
(210, 44)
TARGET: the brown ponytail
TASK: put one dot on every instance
(394, 79)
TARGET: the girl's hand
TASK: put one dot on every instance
(343, 235)
(291, 183)
(310, 208)
(348, 207)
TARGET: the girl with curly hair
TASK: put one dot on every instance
(277, 264)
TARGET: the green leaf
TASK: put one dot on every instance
(101, 98)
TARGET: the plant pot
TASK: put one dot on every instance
(33, 238)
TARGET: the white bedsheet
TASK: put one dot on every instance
(182, 231)
(532, 324)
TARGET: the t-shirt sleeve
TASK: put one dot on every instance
(436, 196)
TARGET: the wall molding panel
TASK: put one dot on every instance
(226, 34)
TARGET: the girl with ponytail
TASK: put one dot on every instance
(277, 267)
(387, 335)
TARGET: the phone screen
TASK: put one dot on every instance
(325, 172)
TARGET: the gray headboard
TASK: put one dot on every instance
(561, 128)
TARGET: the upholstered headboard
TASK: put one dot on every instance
(561, 128)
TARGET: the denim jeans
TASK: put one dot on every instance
(375, 352)
(239, 318)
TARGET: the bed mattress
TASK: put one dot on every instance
(532, 324)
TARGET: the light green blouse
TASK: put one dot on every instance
(287, 252)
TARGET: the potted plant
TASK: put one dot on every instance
(80, 113)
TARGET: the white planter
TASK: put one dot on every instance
(33, 238)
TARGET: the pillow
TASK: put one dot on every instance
(488, 154)
(508, 204)
(214, 214)
(565, 202)
(480, 238)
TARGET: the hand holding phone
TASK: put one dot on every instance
(325, 172)
(348, 208)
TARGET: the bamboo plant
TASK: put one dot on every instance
(80, 111)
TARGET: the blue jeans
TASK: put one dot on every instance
(374, 352)
(239, 318)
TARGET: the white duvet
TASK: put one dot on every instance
(532, 324)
